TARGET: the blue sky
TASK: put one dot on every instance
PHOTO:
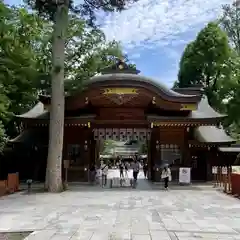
(154, 33)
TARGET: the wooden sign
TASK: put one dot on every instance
(120, 91)
(188, 107)
(66, 163)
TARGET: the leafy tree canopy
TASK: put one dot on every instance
(205, 60)
(230, 21)
(26, 61)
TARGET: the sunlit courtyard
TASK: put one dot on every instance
(144, 213)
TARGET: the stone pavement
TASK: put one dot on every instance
(145, 213)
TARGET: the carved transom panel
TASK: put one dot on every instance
(120, 96)
(122, 134)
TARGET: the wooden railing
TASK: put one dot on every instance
(10, 185)
(224, 179)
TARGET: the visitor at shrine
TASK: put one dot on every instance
(92, 173)
(104, 169)
(145, 169)
(126, 169)
(136, 168)
(166, 176)
(121, 168)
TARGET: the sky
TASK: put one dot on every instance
(154, 33)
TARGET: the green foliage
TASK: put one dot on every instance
(213, 60)
(3, 138)
(108, 146)
(86, 9)
(230, 21)
(26, 61)
(86, 52)
(205, 61)
(17, 63)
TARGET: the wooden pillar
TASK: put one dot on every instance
(155, 152)
(186, 154)
(88, 145)
(152, 149)
(97, 154)
(149, 159)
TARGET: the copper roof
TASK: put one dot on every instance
(126, 79)
(203, 112)
(32, 137)
(212, 134)
(37, 112)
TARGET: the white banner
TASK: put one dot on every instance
(185, 175)
(214, 170)
(224, 170)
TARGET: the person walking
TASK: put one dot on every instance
(104, 169)
(121, 167)
(92, 174)
(136, 168)
(126, 169)
(145, 169)
(166, 176)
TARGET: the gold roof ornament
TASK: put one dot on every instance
(120, 67)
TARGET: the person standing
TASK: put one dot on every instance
(126, 169)
(166, 176)
(121, 167)
(92, 174)
(104, 169)
(145, 169)
(135, 167)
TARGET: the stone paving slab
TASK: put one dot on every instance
(145, 213)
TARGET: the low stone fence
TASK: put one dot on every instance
(10, 185)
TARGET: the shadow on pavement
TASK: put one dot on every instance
(143, 185)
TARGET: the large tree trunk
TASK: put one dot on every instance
(53, 180)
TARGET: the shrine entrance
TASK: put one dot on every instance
(128, 142)
(177, 125)
(121, 105)
(124, 107)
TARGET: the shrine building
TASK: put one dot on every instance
(178, 125)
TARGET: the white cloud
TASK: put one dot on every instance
(152, 23)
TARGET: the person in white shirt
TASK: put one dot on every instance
(104, 169)
(126, 169)
(166, 176)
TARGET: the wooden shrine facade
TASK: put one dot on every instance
(178, 125)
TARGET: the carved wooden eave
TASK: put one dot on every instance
(180, 124)
(118, 83)
(202, 145)
(34, 124)
(122, 134)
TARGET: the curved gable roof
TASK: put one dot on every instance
(212, 134)
(133, 80)
(204, 110)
